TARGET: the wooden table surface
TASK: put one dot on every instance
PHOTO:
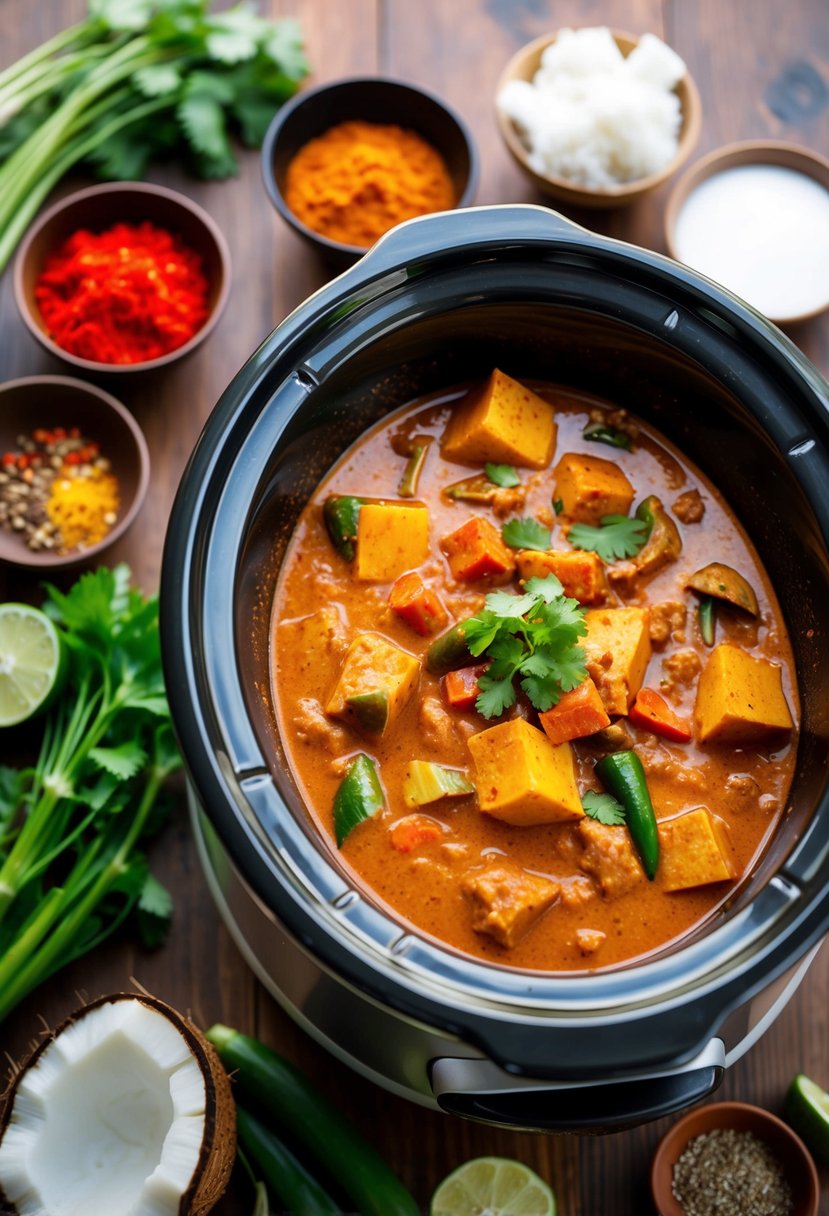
(763, 71)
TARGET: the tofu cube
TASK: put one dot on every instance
(375, 682)
(740, 699)
(694, 851)
(589, 487)
(522, 778)
(610, 858)
(476, 552)
(580, 573)
(618, 649)
(507, 900)
(391, 538)
(503, 422)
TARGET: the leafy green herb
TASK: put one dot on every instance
(135, 81)
(603, 807)
(532, 638)
(72, 827)
(503, 475)
(526, 534)
(558, 505)
(600, 432)
(619, 536)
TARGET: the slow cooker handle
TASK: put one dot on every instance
(479, 1089)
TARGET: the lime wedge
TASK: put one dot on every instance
(30, 662)
(493, 1186)
(807, 1111)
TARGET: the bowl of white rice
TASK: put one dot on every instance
(597, 118)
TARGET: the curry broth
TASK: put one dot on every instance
(746, 788)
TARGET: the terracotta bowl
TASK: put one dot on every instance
(794, 1158)
(371, 99)
(732, 156)
(59, 401)
(524, 65)
(100, 207)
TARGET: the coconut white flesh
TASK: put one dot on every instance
(109, 1121)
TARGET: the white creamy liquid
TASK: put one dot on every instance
(762, 231)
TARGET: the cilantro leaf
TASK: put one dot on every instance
(558, 505)
(154, 912)
(604, 808)
(619, 536)
(123, 761)
(503, 475)
(526, 534)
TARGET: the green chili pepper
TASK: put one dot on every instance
(288, 1179)
(624, 777)
(359, 797)
(341, 514)
(602, 433)
(449, 651)
(417, 458)
(707, 617)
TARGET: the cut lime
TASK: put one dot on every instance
(493, 1186)
(807, 1110)
(30, 662)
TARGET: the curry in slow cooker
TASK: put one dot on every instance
(531, 678)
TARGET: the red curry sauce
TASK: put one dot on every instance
(589, 924)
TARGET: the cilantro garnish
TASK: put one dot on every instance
(526, 534)
(532, 638)
(503, 475)
(558, 505)
(619, 536)
(603, 807)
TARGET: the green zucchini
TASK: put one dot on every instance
(724, 583)
(287, 1178)
(425, 782)
(359, 797)
(449, 651)
(341, 513)
(370, 710)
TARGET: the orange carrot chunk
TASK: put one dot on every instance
(476, 551)
(417, 604)
(460, 688)
(407, 833)
(653, 713)
(579, 713)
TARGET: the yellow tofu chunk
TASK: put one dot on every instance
(589, 487)
(580, 573)
(507, 900)
(610, 858)
(501, 421)
(523, 778)
(375, 682)
(391, 538)
(740, 699)
(694, 851)
(618, 649)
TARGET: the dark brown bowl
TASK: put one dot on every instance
(98, 208)
(791, 1153)
(52, 401)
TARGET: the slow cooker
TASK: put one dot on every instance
(438, 301)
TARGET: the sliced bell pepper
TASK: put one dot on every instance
(418, 450)
(653, 713)
(460, 687)
(341, 513)
(417, 604)
(623, 776)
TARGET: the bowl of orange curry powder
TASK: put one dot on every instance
(348, 161)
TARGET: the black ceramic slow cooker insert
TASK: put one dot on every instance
(438, 301)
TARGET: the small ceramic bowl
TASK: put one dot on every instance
(98, 208)
(759, 153)
(60, 401)
(370, 99)
(524, 65)
(790, 1151)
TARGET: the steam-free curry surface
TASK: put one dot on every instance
(588, 901)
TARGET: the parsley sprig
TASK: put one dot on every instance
(531, 638)
(619, 536)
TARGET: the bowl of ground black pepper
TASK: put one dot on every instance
(122, 277)
(733, 1159)
(345, 162)
(74, 471)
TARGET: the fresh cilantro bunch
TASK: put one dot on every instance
(72, 826)
(531, 638)
(136, 81)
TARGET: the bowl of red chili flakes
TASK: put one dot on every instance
(125, 276)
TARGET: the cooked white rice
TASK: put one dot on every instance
(594, 117)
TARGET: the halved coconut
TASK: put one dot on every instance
(125, 1110)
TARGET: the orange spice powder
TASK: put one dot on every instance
(359, 179)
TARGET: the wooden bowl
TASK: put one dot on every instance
(732, 156)
(55, 401)
(524, 65)
(371, 99)
(791, 1153)
(98, 208)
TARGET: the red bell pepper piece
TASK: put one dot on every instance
(460, 688)
(417, 604)
(653, 713)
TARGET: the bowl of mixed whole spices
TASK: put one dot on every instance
(122, 277)
(74, 471)
(731, 1157)
(345, 162)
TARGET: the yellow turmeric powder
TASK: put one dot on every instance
(360, 178)
(82, 508)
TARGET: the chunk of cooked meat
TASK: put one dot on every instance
(666, 620)
(314, 729)
(438, 727)
(577, 890)
(590, 940)
(680, 668)
(689, 507)
(507, 900)
(610, 858)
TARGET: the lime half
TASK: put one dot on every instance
(493, 1186)
(807, 1110)
(30, 662)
